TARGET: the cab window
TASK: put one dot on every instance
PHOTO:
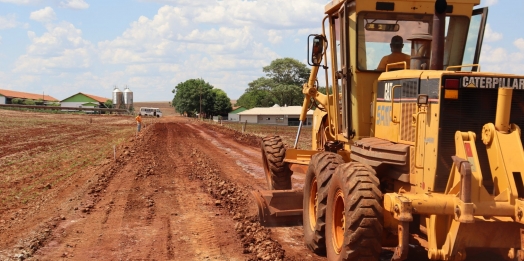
(377, 34)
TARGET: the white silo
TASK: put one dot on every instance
(118, 98)
(128, 98)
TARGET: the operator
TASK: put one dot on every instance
(138, 122)
(396, 55)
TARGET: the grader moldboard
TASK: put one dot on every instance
(408, 154)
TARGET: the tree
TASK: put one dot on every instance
(282, 85)
(287, 71)
(222, 104)
(323, 89)
(258, 94)
(256, 98)
(108, 103)
(29, 102)
(195, 95)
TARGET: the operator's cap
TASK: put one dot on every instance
(397, 40)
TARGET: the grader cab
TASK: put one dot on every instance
(412, 144)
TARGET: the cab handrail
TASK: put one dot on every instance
(463, 65)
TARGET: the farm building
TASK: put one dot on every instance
(233, 115)
(84, 100)
(288, 115)
(6, 96)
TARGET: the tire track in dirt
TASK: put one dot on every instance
(230, 150)
(196, 237)
(103, 228)
(248, 157)
(167, 197)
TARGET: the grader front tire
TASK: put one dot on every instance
(278, 175)
(354, 219)
(320, 170)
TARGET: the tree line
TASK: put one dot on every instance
(282, 85)
(40, 102)
(197, 97)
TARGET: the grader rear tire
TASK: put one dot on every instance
(278, 175)
(354, 219)
(319, 173)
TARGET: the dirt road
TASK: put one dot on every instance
(177, 191)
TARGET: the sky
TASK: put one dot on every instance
(62, 47)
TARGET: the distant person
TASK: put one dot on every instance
(138, 122)
(397, 43)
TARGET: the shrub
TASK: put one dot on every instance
(29, 102)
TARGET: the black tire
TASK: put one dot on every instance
(321, 168)
(278, 174)
(354, 220)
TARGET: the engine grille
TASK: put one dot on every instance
(474, 108)
(407, 130)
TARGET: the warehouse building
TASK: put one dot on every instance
(276, 115)
(7, 96)
(84, 100)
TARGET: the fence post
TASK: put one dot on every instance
(244, 129)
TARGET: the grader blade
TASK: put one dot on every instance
(279, 207)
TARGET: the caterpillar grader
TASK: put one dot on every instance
(412, 144)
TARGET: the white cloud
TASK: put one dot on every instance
(169, 35)
(490, 35)
(274, 36)
(491, 2)
(46, 14)
(8, 21)
(519, 43)
(493, 55)
(21, 2)
(225, 42)
(74, 4)
(0, 39)
(501, 60)
(61, 47)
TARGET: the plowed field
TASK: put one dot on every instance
(91, 188)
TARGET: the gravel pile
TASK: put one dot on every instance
(243, 138)
(230, 197)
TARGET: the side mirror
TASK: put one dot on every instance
(317, 50)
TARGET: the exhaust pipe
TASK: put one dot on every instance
(437, 45)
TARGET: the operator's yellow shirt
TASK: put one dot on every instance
(394, 58)
(138, 119)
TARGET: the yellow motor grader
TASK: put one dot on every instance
(416, 146)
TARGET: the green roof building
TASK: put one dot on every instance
(84, 100)
(233, 115)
